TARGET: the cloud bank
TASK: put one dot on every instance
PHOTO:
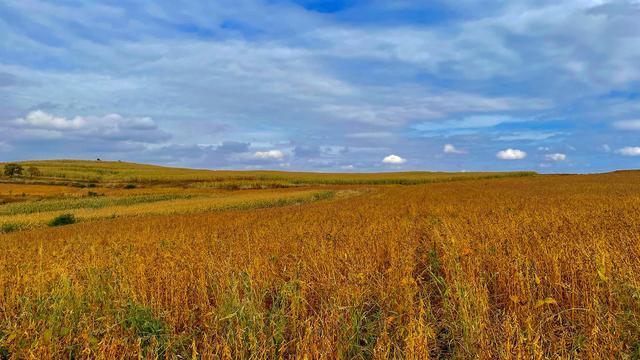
(133, 80)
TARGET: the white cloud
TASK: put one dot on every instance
(569, 26)
(269, 155)
(394, 160)
(511, 154)
(450, 149)
(556, 157)
(606, 147)
(629, 151)
(627, 124)
(41, 120)
(470, 122)
(113, 127)
(528, 135)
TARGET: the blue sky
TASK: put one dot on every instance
(337, 85)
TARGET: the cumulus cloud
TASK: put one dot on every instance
(111, 127)
(629, 151)
(627, 124)
(556, 157)
(269, 155)
(394, 160)
(41, 120)
(511, 154)
(450, 149)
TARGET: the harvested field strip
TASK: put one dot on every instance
(98, 202)
(170, 205)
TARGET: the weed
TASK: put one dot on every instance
(64, 219)
(10, 227)
(151, 330)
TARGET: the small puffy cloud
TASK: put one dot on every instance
(269, 155)
(627, 124)
(629, 151)
(450, 149)
(394, 160)
(606, 148)
(511, 154)
(556, 157)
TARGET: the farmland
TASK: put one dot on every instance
(178, 263)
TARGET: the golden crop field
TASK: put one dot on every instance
(495, 266)
(81, 172)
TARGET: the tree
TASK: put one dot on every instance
(13, 169)
(33, 171)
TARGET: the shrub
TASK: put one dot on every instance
(130, 186)
(13, 169)
(64, 219)
(33, 171)
(9, 227)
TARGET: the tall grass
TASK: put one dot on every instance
(30, 207)
(532, 267)
(28, 215)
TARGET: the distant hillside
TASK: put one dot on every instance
(84, 171)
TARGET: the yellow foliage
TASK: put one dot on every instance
(517, 267)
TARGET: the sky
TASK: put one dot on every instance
(331, 86)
